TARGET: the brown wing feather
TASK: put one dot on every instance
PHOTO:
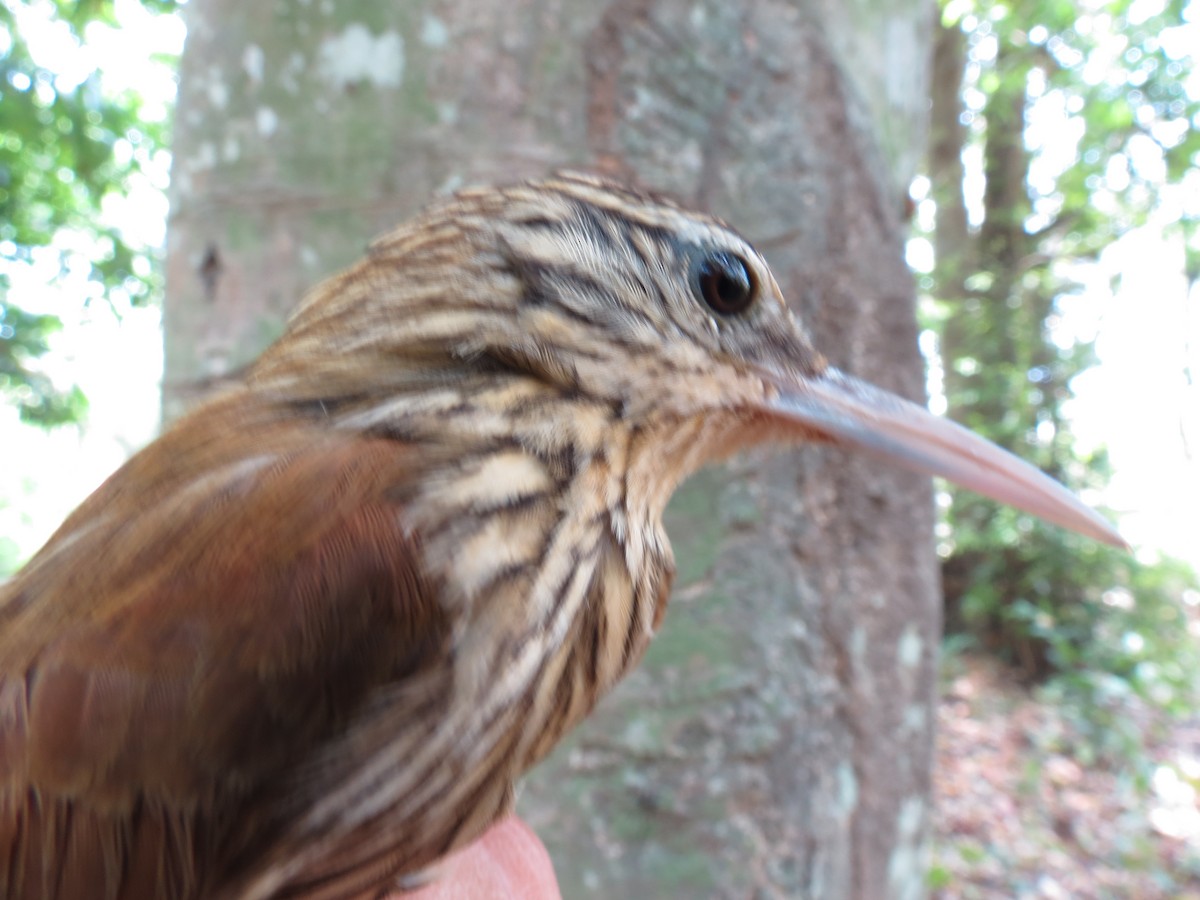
(216, 610)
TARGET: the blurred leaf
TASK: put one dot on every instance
(63, 149)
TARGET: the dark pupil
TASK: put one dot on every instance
(724, 283)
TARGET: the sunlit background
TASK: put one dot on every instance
(1142, 400)
(107, 345)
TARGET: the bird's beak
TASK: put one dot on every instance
(856, 414)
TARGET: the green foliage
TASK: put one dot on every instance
(66, 144)
(1132, 649)
(1117, 634)
(1111, 75)
(938, 878)
(23, 337)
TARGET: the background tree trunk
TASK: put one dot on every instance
(777, 739)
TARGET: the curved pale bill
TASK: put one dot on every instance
(860, 415)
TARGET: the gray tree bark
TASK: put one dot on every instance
(777, 740)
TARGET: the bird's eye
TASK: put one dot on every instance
(723, 281)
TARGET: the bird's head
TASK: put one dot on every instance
(666, 317)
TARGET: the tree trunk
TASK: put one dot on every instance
(777, 739)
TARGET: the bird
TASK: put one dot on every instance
(306, 642)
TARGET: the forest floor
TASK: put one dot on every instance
(1018, 815)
